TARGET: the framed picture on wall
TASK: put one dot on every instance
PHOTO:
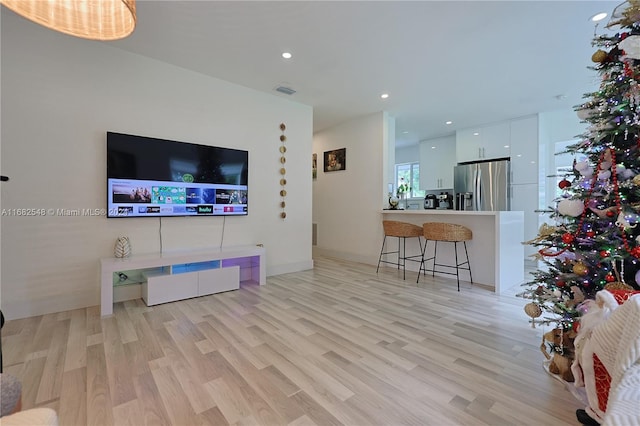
(335, 160)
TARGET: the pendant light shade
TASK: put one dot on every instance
(92, 19)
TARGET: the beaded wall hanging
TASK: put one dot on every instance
(283, 172)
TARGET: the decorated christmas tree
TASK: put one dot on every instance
(595, 240)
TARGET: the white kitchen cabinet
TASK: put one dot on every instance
(467, 145)
(437, 159)
(524, 150)
(525, 198)
(483, 143)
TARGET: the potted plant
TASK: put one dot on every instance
(403, 189)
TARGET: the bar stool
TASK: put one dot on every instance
(402, 231)
(446, 232)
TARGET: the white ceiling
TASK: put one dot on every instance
(472, 62)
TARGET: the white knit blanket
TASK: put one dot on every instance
(612, 335)
(622, 332)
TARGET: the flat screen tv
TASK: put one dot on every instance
(149, 177)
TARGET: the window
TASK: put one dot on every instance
(410, 172)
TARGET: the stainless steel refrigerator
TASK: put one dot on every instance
(482, 186)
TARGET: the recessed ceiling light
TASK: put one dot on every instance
(433, 147)
(506, 146)
(384, 95)
(448, 122)
(405, 132)
(476, 134)
(598, 16)
(287, 55)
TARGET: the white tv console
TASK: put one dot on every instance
(180, 275)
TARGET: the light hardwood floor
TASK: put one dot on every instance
(335, 345)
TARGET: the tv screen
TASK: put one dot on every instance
(149, 177)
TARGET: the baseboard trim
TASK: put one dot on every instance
(317, 251)
(290, 267)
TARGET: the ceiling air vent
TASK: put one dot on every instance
(285, 90)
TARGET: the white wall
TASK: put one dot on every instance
(389, 159)
(347, 204)
(60, 95)
(408, 154)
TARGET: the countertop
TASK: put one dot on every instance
(442, 212)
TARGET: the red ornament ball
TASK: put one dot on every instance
(590, 234)
(564, 184)
(575, 326)
(561, 283)
(604, 253)
(611, 213)
(609, 278)
(567, 238)
(635, 252)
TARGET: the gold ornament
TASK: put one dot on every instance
(636, 180)
(599, 57)
(544, 232)
(534, 311)
(617, 285)
(580, 269)
(625, 14)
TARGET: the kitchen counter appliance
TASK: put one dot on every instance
(484, 186)
(430, 202)
(445, 201)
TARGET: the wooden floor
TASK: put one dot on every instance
(335, 345)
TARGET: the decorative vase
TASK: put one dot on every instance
(393, 202)
(403, 201)
(122, 247)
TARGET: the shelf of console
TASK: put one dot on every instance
(180, 275)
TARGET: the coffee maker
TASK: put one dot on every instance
(445, 201)
(430, 202)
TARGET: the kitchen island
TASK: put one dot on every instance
(496, 252)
